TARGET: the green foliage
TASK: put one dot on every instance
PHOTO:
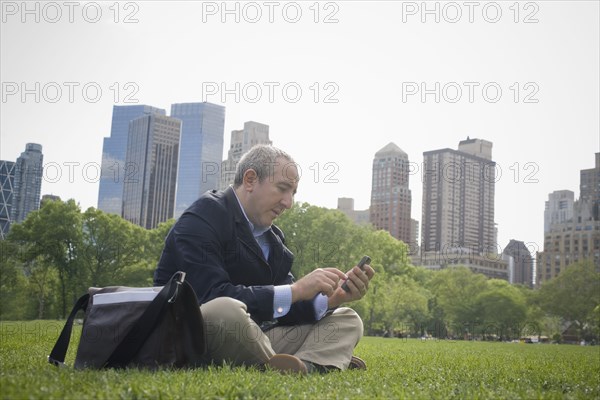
(456, 292)
(397, 369)
(52, 257)
(574, 295)
(50, 237)
(464, 304)
(14, 294)
(110, 245)
(502, 307)
(328, 238)
(320, 237)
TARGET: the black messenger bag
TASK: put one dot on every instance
(137, 327)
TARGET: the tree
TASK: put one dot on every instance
(52, 237)
(14, 297)
(110, 244)
(404, 304)
(41, 278)
(58, 252)
(502, 309)
(141, 273)
(320, 237)
(573, 295)
(536, 320)
(456, 292)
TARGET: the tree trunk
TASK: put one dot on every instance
(41, 304)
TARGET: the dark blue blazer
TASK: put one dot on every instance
(213, 244)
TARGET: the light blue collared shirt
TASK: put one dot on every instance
(282, 299)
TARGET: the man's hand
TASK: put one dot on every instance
(321, 280)
(358, 283)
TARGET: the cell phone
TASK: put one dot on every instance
(361, 265)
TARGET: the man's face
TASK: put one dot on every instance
(269, 198)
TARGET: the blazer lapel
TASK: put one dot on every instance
(275, 248)
(244, 233)
(245, 236)
(280, 258)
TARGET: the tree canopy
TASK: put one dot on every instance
(52, 257)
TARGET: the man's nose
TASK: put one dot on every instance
(288, 200)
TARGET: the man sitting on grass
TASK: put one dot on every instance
(237, 262)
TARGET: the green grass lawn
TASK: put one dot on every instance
(397, 368)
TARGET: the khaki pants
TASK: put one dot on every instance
(233, 337)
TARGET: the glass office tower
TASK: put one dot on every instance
(201, 150)
(110, 194)
(7, 183)
(151, 162)
(28, 182)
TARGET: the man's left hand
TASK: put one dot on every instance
(358, 283)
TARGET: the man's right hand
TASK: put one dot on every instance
(321, 280)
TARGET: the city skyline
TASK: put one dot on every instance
(377, 75)
(439, 172)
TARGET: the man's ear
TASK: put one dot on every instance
(250, 179)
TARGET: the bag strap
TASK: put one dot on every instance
(143, 327)
(57, 355)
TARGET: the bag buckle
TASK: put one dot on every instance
(179, 277)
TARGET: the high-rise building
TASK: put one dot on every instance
(7, 184)
(522, 267)
(559, 208)
(589, 188)
(414, 237)
(48, 198)
(200, 150)
(241, 141)
(495, 266)
(346, 205)
(458, 199)
(575, 239)
(28, 182)
(390, 195)
(152, 152)
(114, 149)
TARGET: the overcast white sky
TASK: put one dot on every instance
(335, 81)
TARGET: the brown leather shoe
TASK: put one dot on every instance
(288, 364)
(357, 363)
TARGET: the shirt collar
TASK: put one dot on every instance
(256, 231)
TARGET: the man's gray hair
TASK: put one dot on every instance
(262, 159)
